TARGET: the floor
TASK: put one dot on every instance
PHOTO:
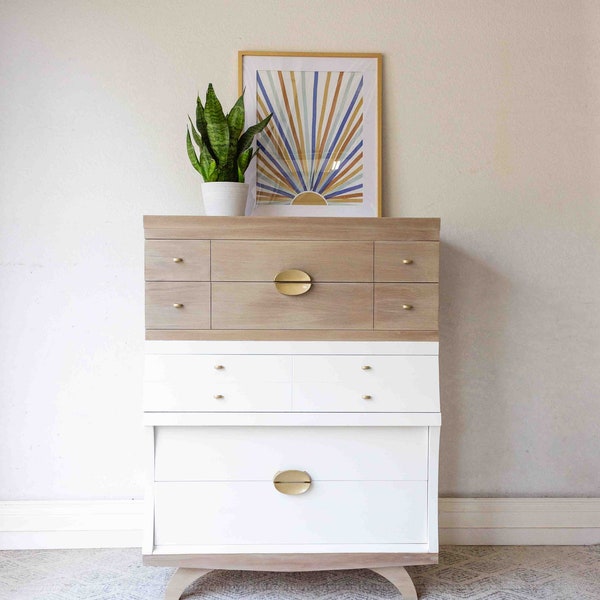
(466, 572)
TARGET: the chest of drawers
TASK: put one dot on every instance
(291, 394)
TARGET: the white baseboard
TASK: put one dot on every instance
(487, 521)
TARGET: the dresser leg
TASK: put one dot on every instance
(181, 579)
(401, 579)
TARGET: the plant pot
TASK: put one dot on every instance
(225, 198)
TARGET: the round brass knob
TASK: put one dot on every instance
(177, 305)
(292, 282)
(178, 260)
(292, 482)
(366, 367)
(407, 261)
(219, 367)
(218, 396)
(367, 397)
(407, 306)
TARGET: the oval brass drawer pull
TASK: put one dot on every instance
(177, 305)
(218, 396)
(292, 482)
(367, 397)
(219, 367)
(292, 282)
(407, 261)
(407, 306)
(178, 260)
(366, 367)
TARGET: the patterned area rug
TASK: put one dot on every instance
(465, 572)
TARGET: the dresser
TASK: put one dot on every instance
(291, 395)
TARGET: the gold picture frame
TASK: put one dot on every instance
(321, 153)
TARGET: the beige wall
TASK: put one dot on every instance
(491, 121)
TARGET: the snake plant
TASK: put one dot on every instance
(225, 152)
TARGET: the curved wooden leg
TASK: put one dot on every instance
(401, 579)
(181, 579)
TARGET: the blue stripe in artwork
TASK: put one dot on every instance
(340, 128)
(342, 165)
(313, 147)
(278, 191)
(280, 129)
(344, 191)
(281, 168)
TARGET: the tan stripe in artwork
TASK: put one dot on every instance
(302, 148)
(288, 109)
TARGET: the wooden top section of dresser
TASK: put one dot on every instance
(170, 227)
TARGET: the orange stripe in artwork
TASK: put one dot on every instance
(269, 172)
(288, 110)
(322, 115)
(331, 111)
(347, 175)
(342, 175)
(298, 117)
(356, 199)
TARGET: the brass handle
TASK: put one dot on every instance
(407, 306)
(367, 397)
(292, 282)
(219, 367)
(407, 261)
(292, 482)
(177, 305)
(366, 367)
(178, 260)
(218, 396)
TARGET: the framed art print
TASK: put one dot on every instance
(320, 153)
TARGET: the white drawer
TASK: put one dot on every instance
(366, 383)
(194, 369)
(253, 512)
(209, 396)
(257, 453)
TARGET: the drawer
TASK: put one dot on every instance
(217, 397)
(257, 453)
(177, 260)
(261, 306)
(239, 260)
(198, 369)
(420, 300)
(407, 261)
(254, 512)
(177, 305)
(366, 384)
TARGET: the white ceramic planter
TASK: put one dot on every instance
(225, 198)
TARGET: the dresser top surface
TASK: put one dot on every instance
(291, 228)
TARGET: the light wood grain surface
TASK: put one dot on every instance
(161, 314)
(193, 260)
(298, 228)
(423, 257)
(249, 260)
(389, 301)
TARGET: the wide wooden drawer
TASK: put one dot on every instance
(331, 512)
(407, 261)
(261, 306)
(406, 306)
(248, 396)
(199, 369)
(258, 453)
(177, 305)
(177, 260)
(249, 260)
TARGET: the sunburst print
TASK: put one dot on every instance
(312, 151)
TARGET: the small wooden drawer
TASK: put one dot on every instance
(407, 261)
(262, 396)
(177, 305)
(261, 306)
(330, 512)
(196, 369)
(257, 453)
(366, 384)
(177, 260)
(406, 306)
(248, 260)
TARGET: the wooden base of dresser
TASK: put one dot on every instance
(185, 576)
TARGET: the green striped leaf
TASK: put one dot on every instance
(192, 153)
(216, 126)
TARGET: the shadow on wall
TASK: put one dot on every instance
(474, 309)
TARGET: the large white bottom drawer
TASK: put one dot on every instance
(253, 512)
(257, 453)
